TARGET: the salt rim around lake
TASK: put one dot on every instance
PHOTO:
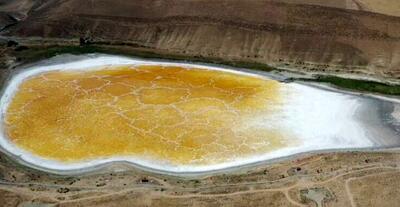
(320, 119)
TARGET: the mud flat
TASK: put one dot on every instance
(299, 118)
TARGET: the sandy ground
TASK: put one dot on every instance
(333, 179)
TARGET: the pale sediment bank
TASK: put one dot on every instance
(314, 118)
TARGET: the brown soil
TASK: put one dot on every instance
(334, 179)
(340, 37)
(335, 37)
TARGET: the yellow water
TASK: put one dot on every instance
(183, 116)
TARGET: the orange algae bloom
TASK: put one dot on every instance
(179, 115)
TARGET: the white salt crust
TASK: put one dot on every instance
(316, 119)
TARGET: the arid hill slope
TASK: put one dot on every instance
(388, 7)
(308, 35)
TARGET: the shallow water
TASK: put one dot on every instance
(178, 117)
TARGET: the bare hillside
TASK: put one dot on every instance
(307, 36)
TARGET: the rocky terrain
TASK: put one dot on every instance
(340, 37)
(334, 179)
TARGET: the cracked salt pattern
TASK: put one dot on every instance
(168, 116)
(184, 116)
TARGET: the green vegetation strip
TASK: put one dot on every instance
(358, 85)
(37, 53)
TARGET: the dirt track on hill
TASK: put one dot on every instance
(312, 36)
(333, 37)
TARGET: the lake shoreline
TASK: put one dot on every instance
(141, 165)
